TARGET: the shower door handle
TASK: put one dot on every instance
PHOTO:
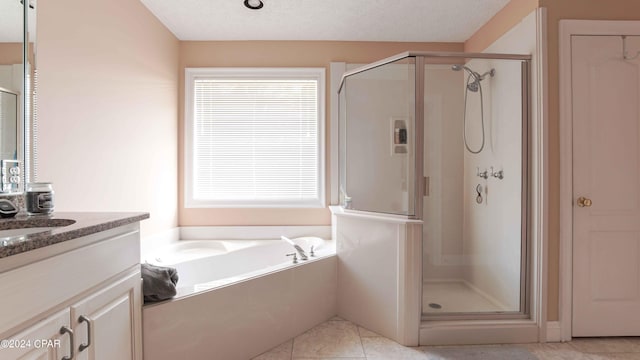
(584, 202)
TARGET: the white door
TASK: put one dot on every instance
(105, 322)
(606, 160)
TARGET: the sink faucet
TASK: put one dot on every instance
(301, 252)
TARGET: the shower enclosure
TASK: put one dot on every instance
(442, 138)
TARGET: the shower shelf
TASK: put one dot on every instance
(399, 135)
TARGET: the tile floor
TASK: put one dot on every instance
(338, 339)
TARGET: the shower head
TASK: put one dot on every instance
(460, 67)
(474, 85)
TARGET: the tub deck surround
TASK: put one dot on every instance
(75, 225)
(379, 268)
(241, 290)
(209, 264)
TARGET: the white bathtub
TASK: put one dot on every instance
(238, 298)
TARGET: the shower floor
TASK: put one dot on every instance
(455, 296)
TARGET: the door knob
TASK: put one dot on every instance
(584, 202)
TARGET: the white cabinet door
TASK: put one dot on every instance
(42, 341)
(606, 160)
(107, 323)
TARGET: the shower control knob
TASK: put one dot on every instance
(584, 202)
(483, 174)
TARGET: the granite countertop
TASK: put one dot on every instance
(69, 226)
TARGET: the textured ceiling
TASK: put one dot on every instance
(347, 20)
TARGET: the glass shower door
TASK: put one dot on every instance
(377, 139)
(475, 219)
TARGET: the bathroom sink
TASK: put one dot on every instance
(24, 231)
(19, 228)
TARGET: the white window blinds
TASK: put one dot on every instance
(256, 142)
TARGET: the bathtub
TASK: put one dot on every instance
(238, 298)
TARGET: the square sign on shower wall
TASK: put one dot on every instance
(399, 135)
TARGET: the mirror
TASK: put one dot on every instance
(17, 76)
(8, 124)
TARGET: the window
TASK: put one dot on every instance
(254, 137)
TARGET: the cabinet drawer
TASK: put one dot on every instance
(36, 288)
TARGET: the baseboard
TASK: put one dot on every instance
(554, 332)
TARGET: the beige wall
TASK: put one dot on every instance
(556, 11)
(499, 24)
(277, 54)
(10, 53)
(107, 109)
(111, 89)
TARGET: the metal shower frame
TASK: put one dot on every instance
(419, 181)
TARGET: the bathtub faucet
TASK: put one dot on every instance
(302, 253)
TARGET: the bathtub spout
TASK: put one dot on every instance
(301, 252)
(303, 255)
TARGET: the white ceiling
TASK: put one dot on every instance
(347, 20)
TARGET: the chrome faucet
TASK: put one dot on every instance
(301, 252)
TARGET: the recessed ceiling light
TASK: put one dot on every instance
(253, 4)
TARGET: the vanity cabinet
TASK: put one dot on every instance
(88, 299)
(50, 344)
(104, 322)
